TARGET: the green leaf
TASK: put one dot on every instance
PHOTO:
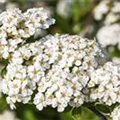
(3, 72)
(30, 103)
(3, 104)
(29, 115)
(102, 108)
(68, 109)
(76, 113)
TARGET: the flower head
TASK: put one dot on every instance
(16, 27)
(58, 67)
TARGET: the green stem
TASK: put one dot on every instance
(99, 114)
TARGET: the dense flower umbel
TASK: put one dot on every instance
(57, 66)
(105, 84)
(16, 27)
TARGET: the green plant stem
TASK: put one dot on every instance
(96, 112)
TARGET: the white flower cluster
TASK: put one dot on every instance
(111, 23)
(115, 115)
(8, 115)
(57, 70)
(16, 27)
(109, 35)
(109, 10)
(59, 89)
(57, 66)
(105, 84)
(114, 13)
(101, 9)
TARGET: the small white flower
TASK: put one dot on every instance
(115, 114)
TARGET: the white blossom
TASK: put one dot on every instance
(16, 27)
(116, 60)
(8, 115)
(116, 7)
(110, 24)
(109, 38)
(109, 10)
(104, 84)
(115, 115)
(101, 9)
(111, 18)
